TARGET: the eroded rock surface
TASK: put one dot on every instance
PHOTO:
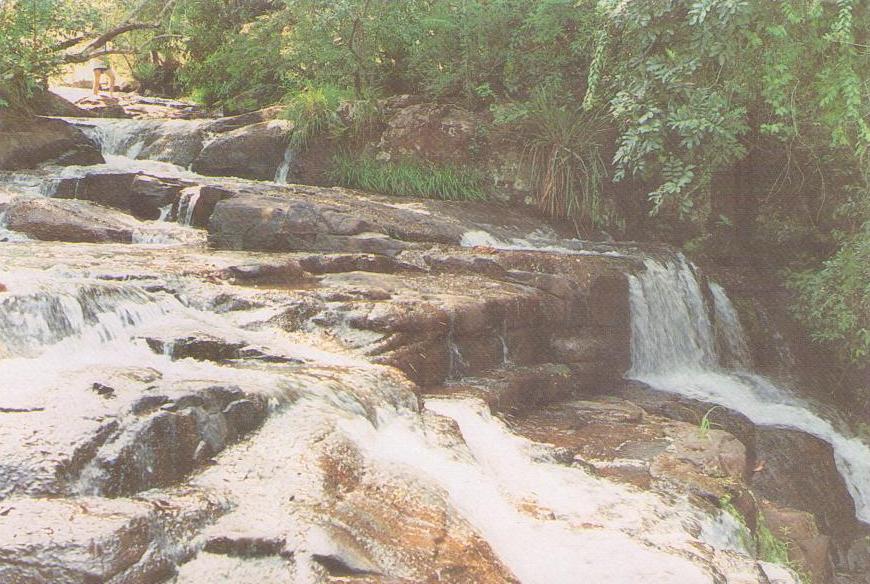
(350, 387)
(26, 142)
(253, 151)
(54, 220)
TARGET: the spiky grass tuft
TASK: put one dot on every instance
(407, 177)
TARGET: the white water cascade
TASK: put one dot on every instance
(187, 201)
(284, 168)
(146, 139)
(499, 473)
(674, 349)
(47, 311)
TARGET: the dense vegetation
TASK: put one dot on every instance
(736, 128)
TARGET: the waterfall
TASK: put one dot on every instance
(120, 137)
(284, 168)
(176, 142)
(670, 326)
(45, 313)
(673, 348)
(733, 347)
(187, 201)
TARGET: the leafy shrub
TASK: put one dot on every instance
(834, 300)
(326, 110)
(29, 32)
(407, 178)
(244, 70)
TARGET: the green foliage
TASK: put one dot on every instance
(315, 112)
(332, 112)
(706, 424)
(767, 546)
(770, 547)
(746, 538)
(563, 159)
(240, 66)
(834, 300)
(29, 32)
(362, 44)
(407, 178)
(680, 121)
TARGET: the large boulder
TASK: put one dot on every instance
(434, 132)
(229, 123)
(163, 446)
(813, 484)
(73, 221)
(177, 147)
(138, 194)
(195, 204)
(26, 142)
(254, 151)
(47, 103)
(807, 548)
(282, 223)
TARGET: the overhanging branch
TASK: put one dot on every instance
(81, 58)
(92, 51)
(101, 40)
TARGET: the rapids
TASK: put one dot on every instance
(87, 330)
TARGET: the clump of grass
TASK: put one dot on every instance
(564, 161)
(315, 112)
(333, 112)
(407, 177)
(706, 423)
(770, 547)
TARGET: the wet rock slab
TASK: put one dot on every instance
(71, 221)
(618, 439)
(139, 195)
(254, 151)
(90, 539)
(26, 142)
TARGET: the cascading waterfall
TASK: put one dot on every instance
(48, 312)
(499, 470)
(187, 201)
(673, 348)
(130, 137)
(733, 349)
(284, 168)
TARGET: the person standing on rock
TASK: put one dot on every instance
(101, 68)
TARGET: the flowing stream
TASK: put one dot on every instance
(674, 348)
(94, 314)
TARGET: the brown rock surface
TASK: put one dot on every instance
(26, 142)
(253, 151)
(72, 221)
(807, 547)
(432, 132)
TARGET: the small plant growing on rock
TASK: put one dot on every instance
(705, 425)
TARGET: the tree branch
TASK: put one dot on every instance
(83, 57)
(62, 46)
(104, 38)
(91, 50)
